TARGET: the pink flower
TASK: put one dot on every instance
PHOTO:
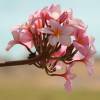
(58, 33)
(63, 17)
(77, 23)
(20, 35)
(85, 46)
(59, 53)
(62, 35)
(81, 42)
(38, 24)
(89, 59)
(54, 11)
(69, 76)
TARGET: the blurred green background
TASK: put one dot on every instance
(30, 83)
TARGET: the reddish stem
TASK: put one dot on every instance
(20, 62)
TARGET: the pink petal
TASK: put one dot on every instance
(82, 38)
(66, 29)
(11, 44)
(25, 36)
(15, 32)
(65, 40)
(55, 15)
(53, 40)
(63, 48)
(85, 40)
(91, 40)
(32, 19)
(70, 13)
(68, 85)
(55, 8)
(90, 69)
(45, 30)
(21, 34)
(92, 47)
(82, 49)
(63, 17)
(54, 11)
(78, 24)
(71, 76)
(61, 52)
(78, 56)
(89, 65)
(33, 29)
(54, 24)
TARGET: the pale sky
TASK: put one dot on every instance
(14, 12)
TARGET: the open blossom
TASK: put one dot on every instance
(58, 33)
(81, 42)
(54, 11)
(58, 39)
(20, 35)
(79, 24)
(84, 44)
(59, 53)
(69, 76)
(89, 59)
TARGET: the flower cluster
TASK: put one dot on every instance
(59, 39)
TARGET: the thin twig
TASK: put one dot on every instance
(19, 62)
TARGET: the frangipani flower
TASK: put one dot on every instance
(58, 39)
(20, 35)
(89, 59)
(81, 42)
(58, 33)
(84, 44)
(59, 53)
(54, 11)
(77, 23)
(62, 17)
(69, 76)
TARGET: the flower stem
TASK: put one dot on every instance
(19, 62)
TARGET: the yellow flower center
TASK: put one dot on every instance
(57, 32)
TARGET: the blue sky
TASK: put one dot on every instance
(13, 12)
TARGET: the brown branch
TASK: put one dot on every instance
(20, 62)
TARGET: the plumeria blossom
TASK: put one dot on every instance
(59, 40)
(58, 33)
(89, 59)
(59, 53)
(54, 11)
(69, 76)
(20, 35)
(84, 44)
(77, 23)
(81, 42)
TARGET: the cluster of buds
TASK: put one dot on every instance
(59, 40)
